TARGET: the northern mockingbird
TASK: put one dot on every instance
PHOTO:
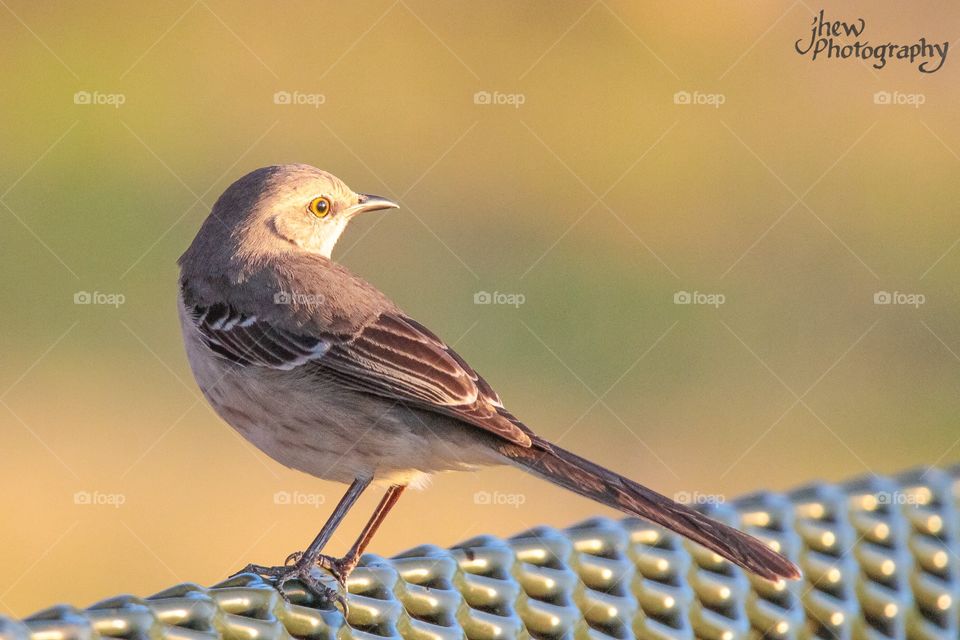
(325, 374)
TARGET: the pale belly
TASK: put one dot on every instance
(317, 427)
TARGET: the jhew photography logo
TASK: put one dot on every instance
(899, 298)
(96, 98)
(515, 100)
(699, 98)
(99, 298)
(839, 39)
(897, 98)
(500, 298)
(298, 98)
(698, 297)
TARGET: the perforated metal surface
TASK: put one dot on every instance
(881, 559)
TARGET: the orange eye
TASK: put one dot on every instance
(320, 206)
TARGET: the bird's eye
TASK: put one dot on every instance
(319, 206)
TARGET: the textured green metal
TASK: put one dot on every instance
(880, 556)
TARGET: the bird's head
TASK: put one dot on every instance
(280, 207)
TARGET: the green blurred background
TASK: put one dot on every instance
(597, 200)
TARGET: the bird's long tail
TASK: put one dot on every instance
(577, 474)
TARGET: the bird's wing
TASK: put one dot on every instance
(244, 339)
(393, 356)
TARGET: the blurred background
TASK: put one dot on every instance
(662, 234)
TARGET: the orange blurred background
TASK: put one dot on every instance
(788, 195)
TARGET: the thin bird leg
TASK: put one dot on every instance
(343, 567)
(346, 502)
(298, 565)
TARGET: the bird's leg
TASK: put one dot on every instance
(298, 565)
(341, 568)
(309, 557)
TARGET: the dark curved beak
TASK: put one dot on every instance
(367, 202)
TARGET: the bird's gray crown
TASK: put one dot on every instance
(277, 184)
(267, 213)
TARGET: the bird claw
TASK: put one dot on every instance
(336, 568)
(296, 568)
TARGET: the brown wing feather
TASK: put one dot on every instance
(398, 358)
(394, 357)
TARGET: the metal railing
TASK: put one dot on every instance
(880, 556)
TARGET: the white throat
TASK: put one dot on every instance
(319, 238)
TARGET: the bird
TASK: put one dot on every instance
(325, 374)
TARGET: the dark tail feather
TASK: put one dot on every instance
(577, 474)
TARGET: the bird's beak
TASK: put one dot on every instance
(367, 202)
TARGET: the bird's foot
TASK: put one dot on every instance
(339, 568)
(296, 567)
